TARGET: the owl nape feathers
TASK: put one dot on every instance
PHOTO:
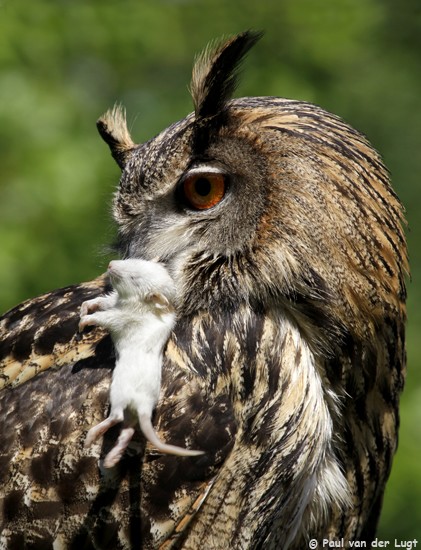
(279, 226)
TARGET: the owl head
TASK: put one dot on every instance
(264, 201)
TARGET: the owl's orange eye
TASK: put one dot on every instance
(204, 190)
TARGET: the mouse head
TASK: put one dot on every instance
(145, 281)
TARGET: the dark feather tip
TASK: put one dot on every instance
(113, 129)
(215, 73)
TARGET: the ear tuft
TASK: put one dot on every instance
(215, 73)
(113, 129)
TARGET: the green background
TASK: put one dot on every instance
(63, 63)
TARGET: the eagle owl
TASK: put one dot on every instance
(281, 230)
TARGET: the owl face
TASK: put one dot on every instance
(176, 202)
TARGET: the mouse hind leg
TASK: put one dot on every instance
(99, 430)
(121, 445)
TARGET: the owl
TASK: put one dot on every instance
(280, 228)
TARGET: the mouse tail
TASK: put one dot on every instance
(150, 434)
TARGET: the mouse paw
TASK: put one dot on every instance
(89, 306)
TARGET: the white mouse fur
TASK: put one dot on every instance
(139, 314)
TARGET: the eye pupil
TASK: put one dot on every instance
(204, 190)
(203, 187)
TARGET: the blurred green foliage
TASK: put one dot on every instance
(63, 63)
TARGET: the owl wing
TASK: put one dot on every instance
(55, 387)
(42, 333)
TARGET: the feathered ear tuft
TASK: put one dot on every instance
(113, 129)
(215, 72)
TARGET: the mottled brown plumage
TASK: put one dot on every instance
(287, 360)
